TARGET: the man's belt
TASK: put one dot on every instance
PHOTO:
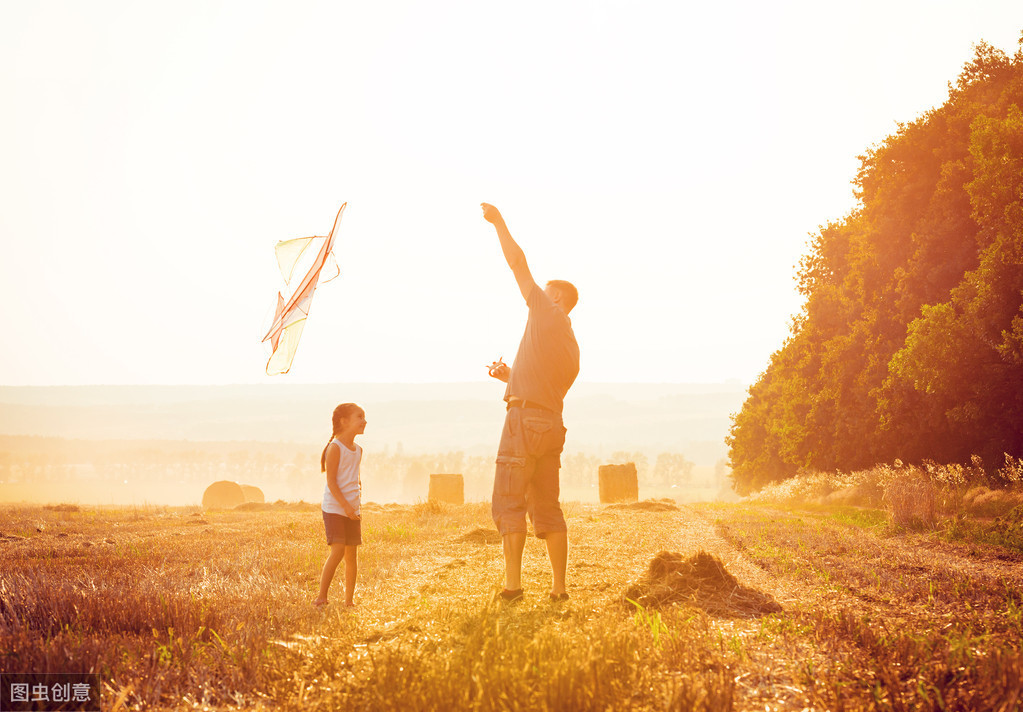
(516, 403)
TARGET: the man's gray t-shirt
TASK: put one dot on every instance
(548, 359)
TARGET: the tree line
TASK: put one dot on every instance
(909, 344)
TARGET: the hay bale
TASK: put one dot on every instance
(253, 494)
(223, 495)
(447, 488)
(618, 483)
(702, 580)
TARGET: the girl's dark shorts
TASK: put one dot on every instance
(342, 530)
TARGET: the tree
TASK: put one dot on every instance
(672, 468)
(910, 341)
(964, 356)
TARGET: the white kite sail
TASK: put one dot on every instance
(291, 313)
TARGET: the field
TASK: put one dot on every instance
(829, 608)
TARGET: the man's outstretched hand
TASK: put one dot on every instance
(513, 254)
(491, 214)
(499, 370)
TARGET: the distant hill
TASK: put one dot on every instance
(601, 418)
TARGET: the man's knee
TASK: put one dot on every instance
(549, 519)
(510, 523)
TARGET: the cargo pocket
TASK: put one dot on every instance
(510, 476)
(536, 434)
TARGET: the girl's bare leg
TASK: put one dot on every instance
(351, 573)
(337, 552)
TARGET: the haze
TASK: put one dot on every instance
(670, 159)
(164, 445)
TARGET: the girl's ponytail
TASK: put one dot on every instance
(323, 455)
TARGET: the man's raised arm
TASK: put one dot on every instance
(513, 254)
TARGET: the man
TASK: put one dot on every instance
(529, 456)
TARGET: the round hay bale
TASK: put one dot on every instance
(618, 483)
(223, 495)
(447, 488)
(253, 494)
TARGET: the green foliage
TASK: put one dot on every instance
(910, 341)
(1004, 531)
(649, 620)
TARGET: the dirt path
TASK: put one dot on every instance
(697, 532)
(610, 547)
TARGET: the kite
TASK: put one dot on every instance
(291, 313)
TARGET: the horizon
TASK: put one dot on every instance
(162, 444)
(427, 417)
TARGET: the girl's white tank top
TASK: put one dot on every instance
(349, 481)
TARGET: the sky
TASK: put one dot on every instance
(671, 159)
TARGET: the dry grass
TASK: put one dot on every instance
(915, 497)
(181, 609)
(906, 621)
(910, 498)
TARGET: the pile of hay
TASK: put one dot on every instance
(479, 535)
(649, 505)
(62, 507)
(387, 507)
(700, 580)
(278, 506)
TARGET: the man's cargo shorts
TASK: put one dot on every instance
(526, 481)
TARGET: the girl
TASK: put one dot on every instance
(342, 499)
